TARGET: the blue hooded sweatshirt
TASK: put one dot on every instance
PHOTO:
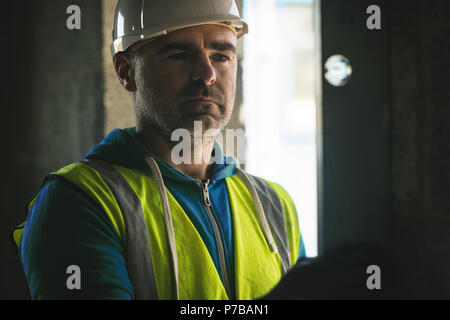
(67, 227)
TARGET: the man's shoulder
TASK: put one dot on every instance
(61, 184)
(59, 193)
(60, 203)
(279, 189)
(80, 187)
(83, 179)
(63, 227)
(74, 170)
(275, 186)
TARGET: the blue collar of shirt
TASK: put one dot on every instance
(120, 147)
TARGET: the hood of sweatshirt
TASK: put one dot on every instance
(120, 147)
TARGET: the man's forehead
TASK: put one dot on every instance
(209, 36)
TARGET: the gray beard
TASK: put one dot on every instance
(151, 110)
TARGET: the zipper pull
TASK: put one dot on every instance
(205, 193)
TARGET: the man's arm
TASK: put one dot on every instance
(63, 228)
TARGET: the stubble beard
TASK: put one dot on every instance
(150, 112)
(154, 112)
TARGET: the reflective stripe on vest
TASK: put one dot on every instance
(139, 260)
(137, 250)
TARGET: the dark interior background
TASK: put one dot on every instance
(52, 104)
(53, 112)
(385, 175)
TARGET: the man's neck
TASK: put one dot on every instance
(159, 145)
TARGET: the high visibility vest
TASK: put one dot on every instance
(166, 256)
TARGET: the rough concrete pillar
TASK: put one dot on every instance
(52, 107)
(419, 65)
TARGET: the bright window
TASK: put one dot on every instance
(279, 108)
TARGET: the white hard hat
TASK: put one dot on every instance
(138, 20)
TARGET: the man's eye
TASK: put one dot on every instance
(220, 57)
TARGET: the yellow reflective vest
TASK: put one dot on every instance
(166, 257)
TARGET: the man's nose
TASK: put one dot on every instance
(203, 71)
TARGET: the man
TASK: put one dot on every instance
(129, 221)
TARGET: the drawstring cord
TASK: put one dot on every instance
(169, 222)
(167, 219)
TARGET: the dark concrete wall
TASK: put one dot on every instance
(402, 68)
(420, 117)
(52, 106)
(354, 135)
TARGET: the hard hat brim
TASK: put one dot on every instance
(124, 42)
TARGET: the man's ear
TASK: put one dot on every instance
(125, 72)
